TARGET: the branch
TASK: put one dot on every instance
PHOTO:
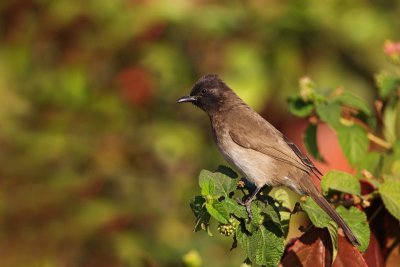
(379, 141)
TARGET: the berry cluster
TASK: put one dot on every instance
(227, 229)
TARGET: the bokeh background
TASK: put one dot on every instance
(98, 163)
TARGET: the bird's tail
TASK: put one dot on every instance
(324, 204)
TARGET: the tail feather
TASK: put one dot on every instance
(324, 204)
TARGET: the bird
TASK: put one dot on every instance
(253, 146)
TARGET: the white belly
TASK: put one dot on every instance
(256, 171)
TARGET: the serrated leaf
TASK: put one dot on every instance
(224, 184)
(329, 112)
(262, 246)
(206, 183)
(354, 142)
(357, 221)
(310, 141)
(370, 162)
(351, 100)
(262, 238)
(216, 184)
(315, 213)
(390, 193)
(232, 207)
(299, 107)
(217, 211)
(340, 181)
(258, 218)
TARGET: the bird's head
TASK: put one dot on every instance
(209, 93)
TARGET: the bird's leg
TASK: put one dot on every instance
(247, 202)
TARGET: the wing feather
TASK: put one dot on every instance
(268, 140)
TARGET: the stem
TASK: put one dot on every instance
(379, 141)
(375, 213)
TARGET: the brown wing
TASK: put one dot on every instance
(303, 157)
(265, 138)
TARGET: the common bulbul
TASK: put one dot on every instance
(256, 148)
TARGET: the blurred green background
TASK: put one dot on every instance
(98, 163)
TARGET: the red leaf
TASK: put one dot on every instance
(373, 255)
(312, 249)
(348, 255)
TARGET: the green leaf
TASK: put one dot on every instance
(271, 215)
(232, 207)
(390, 193)
(218, 211)
(387, 84)
(351, 100)
(357, 221)
(282, 198)
(354, 142)
(282, 201)
(262, 238)
(340, 181)
(390, 158)
(224, 184)
(310, 140)
(258, 218)
(329, 112)
(299, 107)
(315, 213)
(206, 183)
(333, 232)
(370, 162)
(395, 169)
(216, 184)
(262, 246)
(391, 120)
(200, 212)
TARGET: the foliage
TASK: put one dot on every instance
(262, 238)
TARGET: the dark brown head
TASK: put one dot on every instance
(209, 93)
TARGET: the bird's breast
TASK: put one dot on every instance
(258, 168)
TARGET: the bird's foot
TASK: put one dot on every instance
(247, 204)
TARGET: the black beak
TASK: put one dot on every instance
(187, 98)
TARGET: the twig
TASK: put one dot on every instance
(379, 141)
(375, 213)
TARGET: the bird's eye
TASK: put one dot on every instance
(203, 92)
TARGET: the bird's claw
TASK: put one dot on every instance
(247, 204)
